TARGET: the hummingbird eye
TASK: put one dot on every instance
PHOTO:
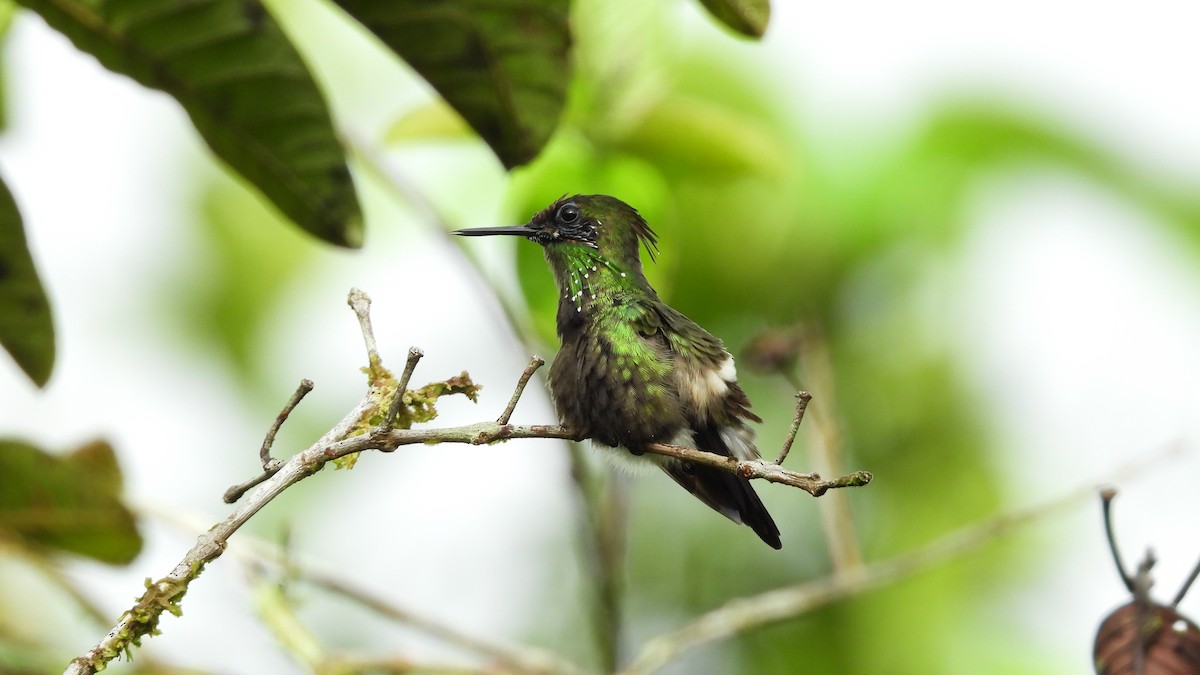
(569, 213)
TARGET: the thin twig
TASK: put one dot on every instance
(757, 468)
(414, 355)
(361, 304)
(269, 465)
(235, 492)
(747, 613)
(1186, 585)
(534, 363)
(802, 399)
(1106, 498)
(264, 453)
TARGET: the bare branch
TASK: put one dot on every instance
(1106, 497)
(534, 363)
(1186, 585)
(802, 399)
(770, 471)
(269, 465)
(361, 304)
(414, 355)
(162, 595)
(354, 434)
(235, 492)
(264, 454)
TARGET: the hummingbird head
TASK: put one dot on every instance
(607, 224)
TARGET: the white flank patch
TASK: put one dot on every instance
(715, 384)
(727, 370)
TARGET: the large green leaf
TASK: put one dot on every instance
(748, 17)
(502, 64)
(70, 503)
(26, 329)
(243, 84)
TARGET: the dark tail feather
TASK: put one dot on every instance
(729, 495)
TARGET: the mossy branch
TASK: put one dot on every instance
(380, 422)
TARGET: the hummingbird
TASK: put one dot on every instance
(631, 370)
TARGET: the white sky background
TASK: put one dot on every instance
(1080, 318)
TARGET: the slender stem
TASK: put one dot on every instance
(361, 304)
(769, 471)
(410, 365)
(264, 453)
(236, 492)
(534, 363)
(269, 465)
(1106, 498)
(1186, 585)
(802, 399)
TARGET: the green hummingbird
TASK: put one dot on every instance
(631, 370)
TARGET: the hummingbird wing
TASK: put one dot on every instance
(716, 409)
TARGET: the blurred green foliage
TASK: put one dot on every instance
(69, 503)
(26, 329)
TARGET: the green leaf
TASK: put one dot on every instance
(244, 86)
(748, 17)
(70, 503)
(26, 328)
(502, 64)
